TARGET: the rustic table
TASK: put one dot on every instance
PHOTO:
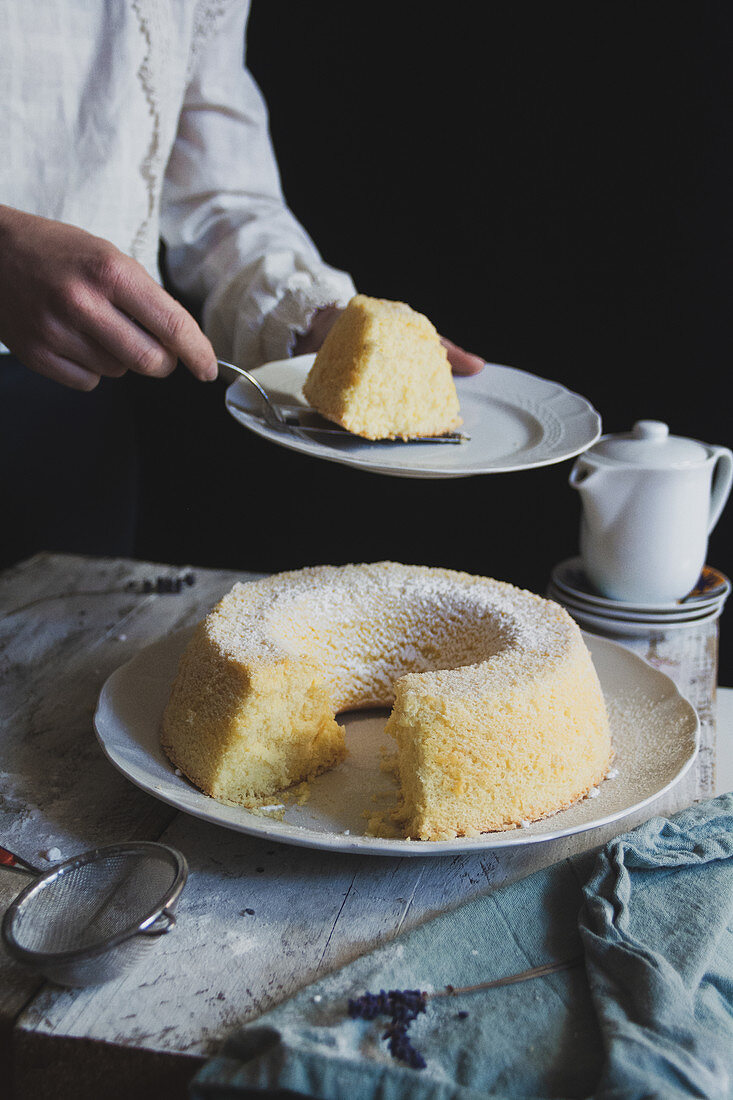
(257, 919)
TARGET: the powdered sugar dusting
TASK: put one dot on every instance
(366, 626)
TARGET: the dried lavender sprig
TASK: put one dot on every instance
(404, 1005)
(510, 979)
(164, 585)
(400, 1046)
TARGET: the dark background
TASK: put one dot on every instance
(551, 184)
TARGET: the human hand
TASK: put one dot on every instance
(322, 320)
(462, 362)
(74, 308)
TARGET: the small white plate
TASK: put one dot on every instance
(515, 421)
(569, 576)
(655, 734)
(619, 614)
(628, 628)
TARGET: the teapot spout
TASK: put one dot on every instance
(586, 476)
(602, 493)
(580, 474)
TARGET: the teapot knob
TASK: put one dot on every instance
(654, 430)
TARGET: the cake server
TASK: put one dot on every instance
(303, 421)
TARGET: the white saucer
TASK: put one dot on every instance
(569, 577)
(626, 628)
(515, 421)
(622, 612)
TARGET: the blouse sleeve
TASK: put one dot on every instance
(232, 244)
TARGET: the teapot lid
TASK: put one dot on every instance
(650, 444)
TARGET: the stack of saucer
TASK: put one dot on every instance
(570, 587)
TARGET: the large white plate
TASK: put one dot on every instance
(515, 421)
(655, 732)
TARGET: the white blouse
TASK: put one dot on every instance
(137, 120)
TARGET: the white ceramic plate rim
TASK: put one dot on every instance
(559, 578)
(516, 421)
(689, 614)
(668, 744)
(631, 628)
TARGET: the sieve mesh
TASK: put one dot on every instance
(89, 902)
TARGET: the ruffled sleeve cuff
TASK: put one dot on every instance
(255, 320)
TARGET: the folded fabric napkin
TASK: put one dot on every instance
(648, 1012)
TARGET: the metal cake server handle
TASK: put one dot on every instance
(276, 418)
(271, 412)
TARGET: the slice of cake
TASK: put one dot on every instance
(383, 373)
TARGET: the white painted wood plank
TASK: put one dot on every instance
(66, 623)
(59, 643)
(256, 922)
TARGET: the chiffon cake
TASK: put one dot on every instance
(496, 709)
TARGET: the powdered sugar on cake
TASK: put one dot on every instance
(441, 626)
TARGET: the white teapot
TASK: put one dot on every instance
(649, 502)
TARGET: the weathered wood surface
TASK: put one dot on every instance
(257, 919)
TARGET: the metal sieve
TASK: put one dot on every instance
(89, 919)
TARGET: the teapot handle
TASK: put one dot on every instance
(580, 472)
(722, 482)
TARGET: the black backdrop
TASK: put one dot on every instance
(549, 183)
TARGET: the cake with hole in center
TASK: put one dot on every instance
(383, 373)
(497, 711)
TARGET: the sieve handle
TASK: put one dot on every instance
(16, 863)
(162, 923)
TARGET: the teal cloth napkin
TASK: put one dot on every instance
(647, 1013)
